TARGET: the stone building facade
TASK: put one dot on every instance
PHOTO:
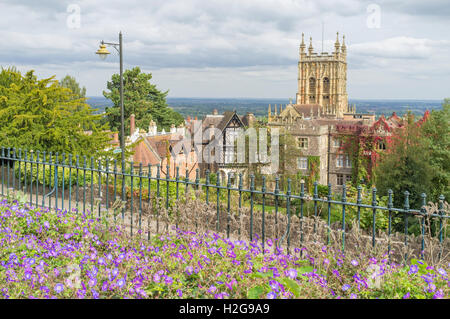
(322, 78)
(321, 106)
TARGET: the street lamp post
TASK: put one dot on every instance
(103, 53)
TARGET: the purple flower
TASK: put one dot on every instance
(212, 289)
(95, 294)
(101, 261)
(439, 294)
(275, 285)
(27, 275)
(45, 289)
(413, 269)
(156, 278)
(271, 295)
(92, 282)
(59, 288)
(428, 278)
(104, 286)
(407, 295)
(189, 270)
(168, 280)
(442, 272)
(345, 287)
(81, 293)
(353, 296)
(354, 262)
(121, 283)
(221, 295)
(179, 293)
(431, 287)
(114, 273)
(291, 273)
(373, 260)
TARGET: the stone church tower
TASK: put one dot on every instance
(322, 78)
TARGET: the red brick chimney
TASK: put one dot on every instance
(132, 125)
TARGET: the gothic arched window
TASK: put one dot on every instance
(326, 85)
(312, 90)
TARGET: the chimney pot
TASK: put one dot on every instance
(132, 124)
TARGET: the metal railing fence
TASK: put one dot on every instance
(72, 182)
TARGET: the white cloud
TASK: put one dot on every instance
(226, 47)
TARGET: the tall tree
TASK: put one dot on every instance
(142, 99)
(71, 83)
(436, 130)
(418, 159)
(41, 115)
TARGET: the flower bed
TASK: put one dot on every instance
(66, 255)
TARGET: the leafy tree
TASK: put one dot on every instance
(436, 131)
(405, 166)
(41, 115)
(140, 98)
(71, 83)
(417, 160)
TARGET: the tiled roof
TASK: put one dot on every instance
(152, 149)
(305, 109)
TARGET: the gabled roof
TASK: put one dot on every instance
(305, 109)
(395, 121)
(291, 111)
(382, 123)
(228, 116)
(152, 149)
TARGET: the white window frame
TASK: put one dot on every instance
(337, 143)
(348, 162)
(304, 141)
(302, 162)
(340, 160)
(340, 177)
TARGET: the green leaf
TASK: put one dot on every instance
(255, 292)
(304, 270)
(291, 286)
(268, 274)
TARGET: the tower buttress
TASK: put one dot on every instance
(310, 49)
(337, 45)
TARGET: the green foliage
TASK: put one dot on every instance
(42, 115)
(142, 99)
(288, 168)
(418, 160)
(70, 176)
(437, 131)
(159, 267)
(355, 146)
(322, 190)
(71, 83)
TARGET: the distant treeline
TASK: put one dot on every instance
(199, 107)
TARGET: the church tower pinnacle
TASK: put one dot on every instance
(343, 47)
(310, 49)
(322, 78)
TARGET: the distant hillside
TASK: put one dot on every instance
(201, 106)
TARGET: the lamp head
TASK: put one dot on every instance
(102, 52)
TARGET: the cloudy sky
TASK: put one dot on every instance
(233, 48)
